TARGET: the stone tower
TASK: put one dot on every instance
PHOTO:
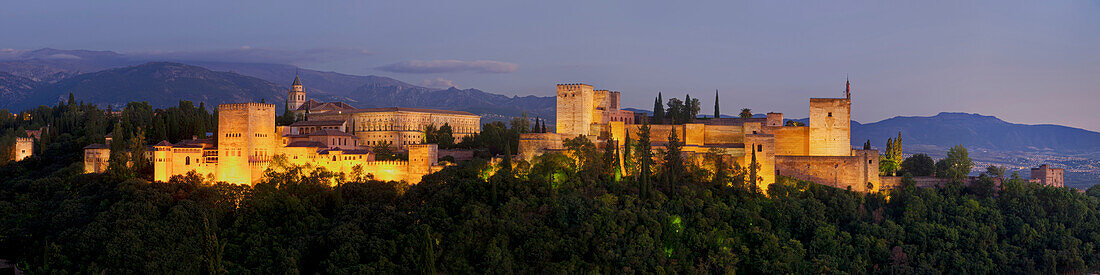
(576, 105)
(830, 127)
(297, 95)
(246, 138)
(24, 148)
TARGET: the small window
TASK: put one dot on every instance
(830, 114)
(760, 148)
(187, 161)
(869, 161)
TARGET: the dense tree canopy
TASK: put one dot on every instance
(560, 213)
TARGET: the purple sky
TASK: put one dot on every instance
(1027, 62)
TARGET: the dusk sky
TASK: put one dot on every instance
(1033, 62)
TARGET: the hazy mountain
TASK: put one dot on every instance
(977, 132)
(14, 88)
(160, 84)
(51, 65)
(58, 70)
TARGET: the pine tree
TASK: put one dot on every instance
(867, 145)
(535, 128)
(717, 114)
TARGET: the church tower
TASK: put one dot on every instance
(297, 95)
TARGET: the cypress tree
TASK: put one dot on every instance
(658, 110)
(717, 114)
(687, 112)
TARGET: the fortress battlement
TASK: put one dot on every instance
(826, 99)
(386, 163)
(246, 106)
(573, 86)
(24, 139)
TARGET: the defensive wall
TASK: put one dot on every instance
(858, 171)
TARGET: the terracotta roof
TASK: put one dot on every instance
(306, 143)
(413, 110)
(308, 105)
(336, 105)
(97, 146)
(163, 143)
(318, 123)
(329, 132)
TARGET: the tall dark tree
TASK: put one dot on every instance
(673, 159)
(717, 113)
(658, 109)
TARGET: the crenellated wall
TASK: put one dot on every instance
(246, 133)
(575, 105)
(24, 148)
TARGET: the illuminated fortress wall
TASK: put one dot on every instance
(246, 140)
(858, 171)
(830, 126)
(812, 152)
(24, 148)
(575, 105)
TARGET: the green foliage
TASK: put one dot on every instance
(444, 136)
(890, 162)
(919, 165)
(956, 165)
(658, 110)
(560, 214)
(745, 113)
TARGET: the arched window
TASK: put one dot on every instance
(187, 161)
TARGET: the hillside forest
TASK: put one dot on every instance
(562, 212)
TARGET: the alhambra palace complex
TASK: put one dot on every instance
(337, 136)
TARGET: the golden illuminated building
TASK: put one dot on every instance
(820, 152)
(248, 141)
(24, 148)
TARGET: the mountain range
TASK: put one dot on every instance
(46, 75)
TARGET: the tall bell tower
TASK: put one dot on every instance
(297, 95)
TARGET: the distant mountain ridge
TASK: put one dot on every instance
(978, 132)
(49, 71)
(160, 84)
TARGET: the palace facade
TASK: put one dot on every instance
(819, 152)
(333, 135)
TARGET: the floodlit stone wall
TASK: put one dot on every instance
(790, 140)
(575, 106)
(24, 148)
(859, 171)
(246, 135)
(830, 127)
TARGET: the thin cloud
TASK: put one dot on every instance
(439, 82)
(449, 66)
(247, 54)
